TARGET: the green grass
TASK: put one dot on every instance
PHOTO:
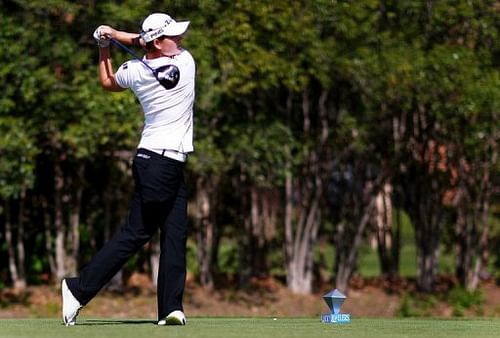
(253, 327)
(369, 265)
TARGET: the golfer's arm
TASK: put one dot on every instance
(128, 38)
(106, 73)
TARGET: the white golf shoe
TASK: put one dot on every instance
(174, 318)
(70, 305)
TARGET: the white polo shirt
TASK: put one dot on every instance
(168, 113)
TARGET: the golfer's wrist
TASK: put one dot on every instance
(137, 41)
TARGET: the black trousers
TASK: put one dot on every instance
(159, 202)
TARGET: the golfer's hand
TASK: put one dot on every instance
(102, 34)
(107, 32)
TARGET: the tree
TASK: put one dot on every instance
(305, 114)
(475, 159)
(17, 175)
(414, 83)
(55, 92)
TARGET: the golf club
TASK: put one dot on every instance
(168, 75)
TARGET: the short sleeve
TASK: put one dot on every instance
(123, 75)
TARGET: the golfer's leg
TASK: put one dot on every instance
(110, 258)
(172, 267)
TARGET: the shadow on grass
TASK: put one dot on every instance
(95, 322)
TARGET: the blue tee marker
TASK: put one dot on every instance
(334, 299)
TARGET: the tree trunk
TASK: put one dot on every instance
(60, 250)
(14, 237)
(303, 196)
(347, 245)
(481, 259)
(49, 243)
(258, 205)
(263, 206)
(244, 238)
(348, 265)
(256, 242)
(472, 225)
(290, 276)
(154, 259)
(21, 283)
(206, 231)
(464, 237)
(387, 244)
(425, 178)
(14, 274)
(268, 203)
(73, 239)
(117, 283)
(426, 215)
(300, 237)
(427, 259)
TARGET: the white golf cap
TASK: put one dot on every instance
(159, 24)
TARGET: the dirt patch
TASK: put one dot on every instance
(265, 298)
(492, 299)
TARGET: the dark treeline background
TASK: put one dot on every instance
(318, 123)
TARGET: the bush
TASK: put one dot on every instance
(416, 305)
(461, 299)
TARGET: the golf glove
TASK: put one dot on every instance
(102, 41)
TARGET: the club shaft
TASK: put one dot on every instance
(131, 52)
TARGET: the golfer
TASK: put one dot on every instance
(159, 199)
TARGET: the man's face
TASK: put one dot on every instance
(169, 44)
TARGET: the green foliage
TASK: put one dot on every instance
(462, 299)
(416, 305)
(256, 42)
(228, 258)
(191, 258)
(208, 158)
(378, 62)
(369, 265)
(18, 152)
(262, 152)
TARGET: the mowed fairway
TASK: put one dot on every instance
(252, 327)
